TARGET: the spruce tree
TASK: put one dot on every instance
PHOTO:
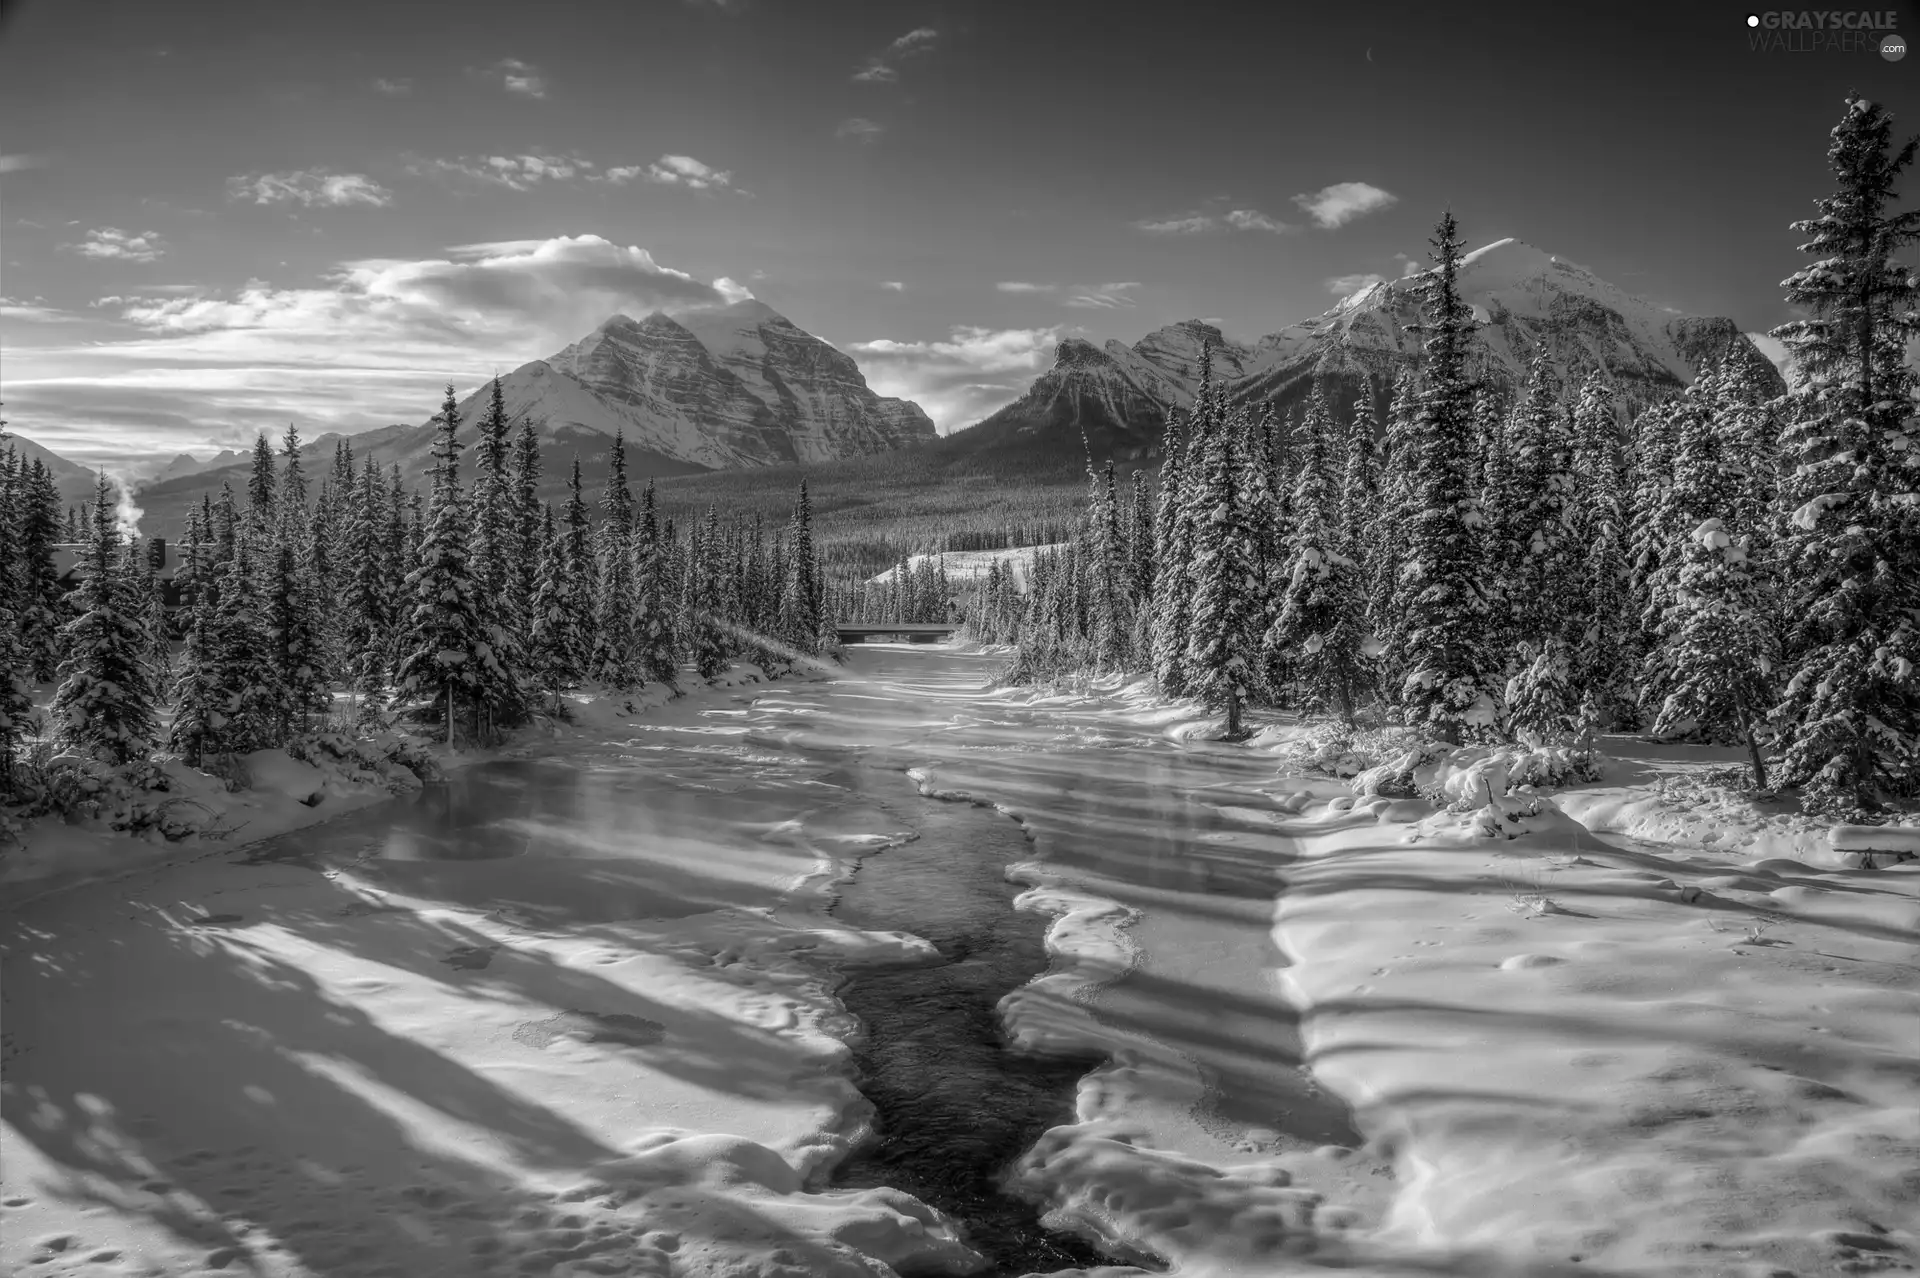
(1318, 626)
(1446, 687)
(450, 663)
(1604, 653)
(300, 683)
(1229, 596)
(1173, 529)
(104, 706)
(800, 593)
(613, 660)
(563, 596)
(261, 486)
(530, 538)
(654, 605)
(1542, 519)
(1851, 708)
(367, 603)
(42, 599)
(1719, 655)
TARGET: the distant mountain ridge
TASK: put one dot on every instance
(1527, 300)
(733, 387)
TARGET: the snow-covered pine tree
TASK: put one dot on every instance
(529, 535)
(705, 647)
(43, 600)
(1386, 597)
(449, 664)
(1851, 709)
(244, 689)
(1543, 516)
(654, 606)
(293, 483)
(563, 596)
(144, 597)
(367, 603)
(1447, 685)
(1140, 548)
(1719, 651)
(1227, 622)
(104, 706)
(300, 681)
(491, 551)
(1318, 626)
(800, 593)
(75, 529)
(1360, 479)
(16, 692)
(1112, 620)
(1604, 654)
(1173, 532)
(260, 487)
(198, 712)
(613, 660)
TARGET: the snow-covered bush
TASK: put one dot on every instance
(365, 760)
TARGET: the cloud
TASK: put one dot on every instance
(34, 310)
(514, 76)
(1254, 220)
(1348, 285)
(1022, 286)
(684, 170)
(1772, 347)
(14, 163)
(375, 344)
(1199, 222)
(1342, 202)
(110, 242)
(397, 87)
(962, 379)
(859, 129)
(308, 187)
(1191, 224)
(1408, 265)
(1105, 297)
(896, 285)
(515, 172)
(881, 67)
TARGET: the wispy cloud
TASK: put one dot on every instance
(514, 76)
(34, 310)
(883, 67)
(1348, 285)
(1191, 224)
(397, 87)
(1101, 297)
(112, 243)
(1199, 222)
(309, 187)
(1342, 202)
(14, 163)
(515, 172)
(684, 170)
(896, 286)
(372, 345)
(860, 130)
(1022, 286)
(1255, 220)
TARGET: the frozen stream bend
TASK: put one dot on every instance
(499, 1027)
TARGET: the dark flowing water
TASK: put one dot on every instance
(955, 1107)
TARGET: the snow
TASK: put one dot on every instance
(1647, 1025)
(966, 566)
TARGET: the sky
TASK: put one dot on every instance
(230, 215)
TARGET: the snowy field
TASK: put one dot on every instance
(573, 1012)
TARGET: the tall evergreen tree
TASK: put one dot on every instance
(530, 538)
(450, 661)
(261, 486)
(1851, 708)
(1447, 684)
(800, 593)
(1319, 624)
(563, 596)
(1229, 595)
(104, 706)
(613, 661)
(654, 607)
(42, 599)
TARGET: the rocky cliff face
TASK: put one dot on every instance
(1527, 300)
(741, 386)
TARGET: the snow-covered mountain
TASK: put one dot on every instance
(741, 386)
(1527, 300)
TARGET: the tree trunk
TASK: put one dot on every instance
(1233, 715)
(1753, 745)
(449, 716)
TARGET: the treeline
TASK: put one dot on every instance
(1728, 565)
(467, 608)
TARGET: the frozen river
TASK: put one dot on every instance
(550, 1015)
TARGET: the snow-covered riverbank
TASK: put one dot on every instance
(574, 1012)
